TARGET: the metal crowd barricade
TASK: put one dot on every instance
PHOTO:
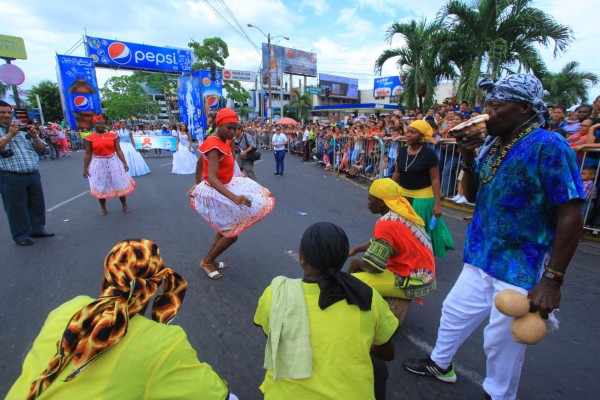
(591, 213)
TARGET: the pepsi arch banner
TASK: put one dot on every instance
(387, 86)
(199, 98)
(78, 90)
(133, 56)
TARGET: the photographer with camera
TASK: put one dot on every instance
(20, 182)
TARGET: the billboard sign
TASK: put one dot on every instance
(78, 90)
(244, 76)
(125, 55)
(12, 47)
(340, 86)
(279, 60)
(387, 86)
(199, 98)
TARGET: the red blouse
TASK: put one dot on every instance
(103, 144)
(226, 160)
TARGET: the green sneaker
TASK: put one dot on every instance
(427, 367)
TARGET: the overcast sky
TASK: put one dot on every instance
(346, 35)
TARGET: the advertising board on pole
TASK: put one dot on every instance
(134, 56)
(387, 86)
(12, 47)
(279, 59)
(243, 76)
(78, 90)
(340, 86)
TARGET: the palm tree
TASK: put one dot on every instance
(3, 90)
(569, 86)
(302, 104)
(420, 62)
(496, 36)
(288, 111)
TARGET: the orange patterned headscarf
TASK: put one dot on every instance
(133, 271)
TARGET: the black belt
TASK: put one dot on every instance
(19, 173)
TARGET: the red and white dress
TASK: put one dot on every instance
(222, 214)
(107, 175)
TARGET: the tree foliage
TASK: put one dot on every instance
(212, 53)
(123, 97)
(3, 90)
(491, 37)
(420, 62)
(302, 104)
(166, 84)
(569, 86)
(49, 98)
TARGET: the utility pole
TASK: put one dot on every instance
(270, 107)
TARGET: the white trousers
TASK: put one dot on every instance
(469, 302)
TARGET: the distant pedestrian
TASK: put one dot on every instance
(279, 142)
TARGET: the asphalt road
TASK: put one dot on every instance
(217, 315)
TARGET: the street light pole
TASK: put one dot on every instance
(270, 109)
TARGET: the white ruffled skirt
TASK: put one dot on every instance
(225, 216)
(135, 161)
(184, 161)
(108, 178)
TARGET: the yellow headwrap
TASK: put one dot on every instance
(389, 191)
(423, 127)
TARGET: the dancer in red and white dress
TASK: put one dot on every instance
(230, 203)
(105, 167)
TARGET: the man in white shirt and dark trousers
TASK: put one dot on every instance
(279, 141)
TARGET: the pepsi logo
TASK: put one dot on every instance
(212, 102)
(81, 102)
(119, 53)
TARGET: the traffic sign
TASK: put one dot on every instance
(314, 90)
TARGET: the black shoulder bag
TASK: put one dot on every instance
(254, 155)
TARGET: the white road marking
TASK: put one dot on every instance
(462, 372)
(66, 201)
(293, 255)
(164, 165)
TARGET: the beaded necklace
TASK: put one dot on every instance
(406, 164)
(497, 154)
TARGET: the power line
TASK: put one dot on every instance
(228, 10)
(228, 23)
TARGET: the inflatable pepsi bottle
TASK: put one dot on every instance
(82, 102)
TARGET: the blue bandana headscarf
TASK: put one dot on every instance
(519, 88)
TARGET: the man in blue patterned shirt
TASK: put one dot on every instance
(526, 226)
(20, 183)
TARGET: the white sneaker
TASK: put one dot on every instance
(457, 197)
(462, 200)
